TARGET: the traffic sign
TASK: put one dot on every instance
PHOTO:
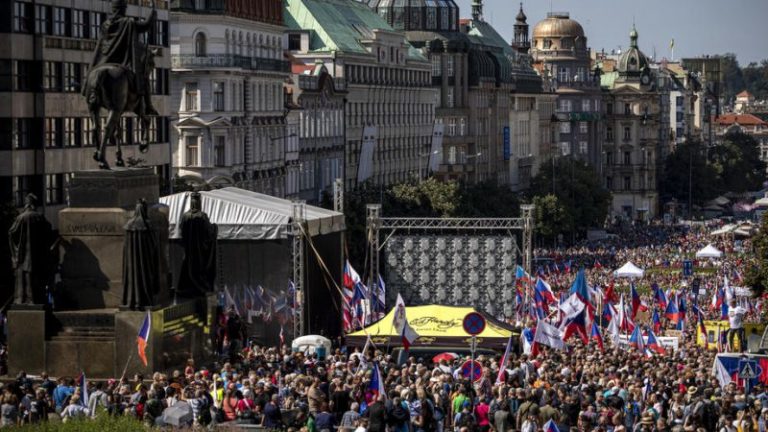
(473, 323)
(747, 369)
(473, 369)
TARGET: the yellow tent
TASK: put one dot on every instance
(436, 325)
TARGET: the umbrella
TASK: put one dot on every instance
(629, 270)
(447, 356)
(179, 415)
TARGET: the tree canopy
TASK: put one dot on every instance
(581, 200)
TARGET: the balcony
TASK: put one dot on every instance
(191, 61)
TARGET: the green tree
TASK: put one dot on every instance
(737, 164)
(756, 276)
(733, 78)
(578, 190)
(487, 199)
(685, 166)
(550, 216)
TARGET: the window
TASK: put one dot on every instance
(21, 75)
(218, 96)
(565, 127)
(627, 183)
(431, 18)
(449, 98)
(547, 43)
(294, 42)
(679, 101)
(52, 132)
(52, 76)
(609, 133)
(627, 158)
(462, 126)
(609, 108)
(22, 185)
(193, 151)
(200, 46)
(563, 74)
(627, 133)
(585, 105)
(60, 27)
(78, 23)
(449, 65)
(451, 130)
(580, 76)
(609, 183)
(565, 148)
(679, 117)
(583, 127)
(583, 147)
(609, 158)
(94, 22)
(43, 20)
(190, 96)
(627, 109)
(71, 132)
(71, 79)
(20, 130)
(86, 131)
(220, 151)
(565, 105)
(22, 17)
(54, 188)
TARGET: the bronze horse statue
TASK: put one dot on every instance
(112, 86)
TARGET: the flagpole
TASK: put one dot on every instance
(125, 369)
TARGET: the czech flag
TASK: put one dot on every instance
(550, 426)
(608, 311)
(82, 383)
(595, 335)
(637, 303)
(143, 338)
(636, 339)
(656, 321)
(653, 343)
(577, 326)
(597, 264)
(659, 295)
(376, 386)
(672, 313)
(545, 290)
(579, 287)
(610, 295)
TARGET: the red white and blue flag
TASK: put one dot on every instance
(636, 339)
(142, 340)
(545, 290)
(653, 343)
(637, 302)
(577, 326)
(503, 362)
(82, 383)
(672, 313)
(407, 334)
(376, 386)
(659, 296)
(550, 426)
(596, 336)
(656, 321)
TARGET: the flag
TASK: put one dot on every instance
(572, 306)
(653, 343)
(579, 287)
(659, 296)
(672, 313)
(143, 338)
(610, 295)
(526, 340)
(576, 326)
(613, 331)
(597, 264)
(380, 297)
(672, 44)
(229, 301)
(292, 293)
(521, 275)
(608, 312)
(376, 386)
(682, 306)
(350, 278)
(636, 339)
(550, 426)
(282, 336)
(656, 321)
(595, 335)
(700, 325)
(637, 302)
(82, 383)
(547, 334)
(540, 310)
(625, 322)
(546, 290)
(720, 371)
(400, 323)
(503, 361)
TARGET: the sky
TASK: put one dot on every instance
(698, 26)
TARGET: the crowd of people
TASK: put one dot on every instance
(588, 387)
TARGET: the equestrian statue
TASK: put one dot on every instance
(118, 79)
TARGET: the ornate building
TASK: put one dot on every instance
(319, 100)
(389, 114)
(228, 71)
(560, 51)
(634, 134)
(45, 127)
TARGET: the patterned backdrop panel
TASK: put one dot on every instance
(471, 270)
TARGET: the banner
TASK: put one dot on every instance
(365, 166)
(436, 153)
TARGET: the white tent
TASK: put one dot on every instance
(246, 215)
(629, 270)
(709, 252)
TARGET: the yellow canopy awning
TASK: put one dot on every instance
(436, 324)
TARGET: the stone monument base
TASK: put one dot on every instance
(102, 342)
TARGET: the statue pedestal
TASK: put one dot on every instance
(92, 235)
(119, 187)
(26, 340)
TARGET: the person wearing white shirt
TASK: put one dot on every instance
(736, 321)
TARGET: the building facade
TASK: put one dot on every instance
(389, 114)
(634, 133)
(559, 50)
(45, 127)
(319, 99)
(748, 124)
(228, 74)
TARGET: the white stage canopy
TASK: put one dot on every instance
(246, 215)
(709, 251)
(629, 270)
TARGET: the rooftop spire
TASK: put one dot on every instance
(477, 10)
(633, 37)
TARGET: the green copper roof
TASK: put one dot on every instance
(337, 25)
